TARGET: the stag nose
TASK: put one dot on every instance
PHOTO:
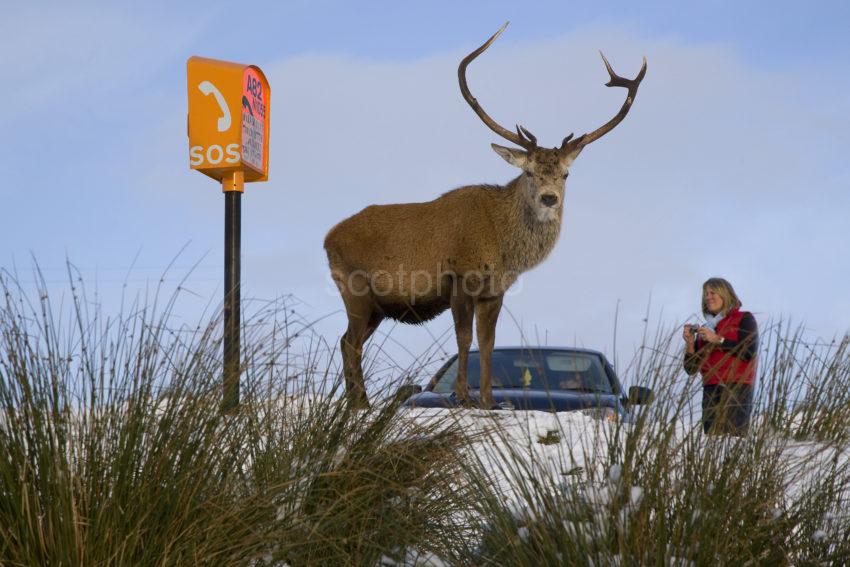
(549, 200)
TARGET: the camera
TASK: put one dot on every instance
(693, 329)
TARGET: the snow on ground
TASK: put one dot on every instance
(557, 443)
(567, 445)
(574, 448)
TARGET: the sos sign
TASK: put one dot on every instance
(228, 122)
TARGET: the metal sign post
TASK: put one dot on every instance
(232, 298)
(233, 152)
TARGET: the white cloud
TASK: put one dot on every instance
(689, 186)
(720, 169)
(85, 63)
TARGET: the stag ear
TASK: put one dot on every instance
(519, 158)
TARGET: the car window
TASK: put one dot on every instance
(536, 370)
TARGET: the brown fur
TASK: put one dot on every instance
(408, 262)
(461, 251)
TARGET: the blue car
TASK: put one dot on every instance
(536, 378)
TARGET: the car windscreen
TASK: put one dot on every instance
(549, 370)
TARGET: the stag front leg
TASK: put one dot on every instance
(463, 309)
(486, 315)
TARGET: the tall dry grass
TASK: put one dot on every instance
(113, 451)
(661, 492)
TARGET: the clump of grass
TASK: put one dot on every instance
(552, 437)
(807, 397)
(107, 430)
(355, 486)
(115, 451)
(660, 492)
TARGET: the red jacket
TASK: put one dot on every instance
(733, 362)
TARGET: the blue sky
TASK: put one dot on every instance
(732, 161)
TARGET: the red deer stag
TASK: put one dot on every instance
(463, 250)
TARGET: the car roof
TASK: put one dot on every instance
(543, 348)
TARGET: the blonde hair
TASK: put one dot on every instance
(724, 289)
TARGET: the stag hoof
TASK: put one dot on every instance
(464, 401)
(467, 402)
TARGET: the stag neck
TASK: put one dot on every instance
(517, 186)
(525, 240)
(522, 206)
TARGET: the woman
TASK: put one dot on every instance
(724, 350)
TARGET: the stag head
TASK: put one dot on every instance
(545, 170)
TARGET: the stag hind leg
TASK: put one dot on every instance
(486, 315)
(363, 319)
(351, 346)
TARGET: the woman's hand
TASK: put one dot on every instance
(688, 335)
(709, 336)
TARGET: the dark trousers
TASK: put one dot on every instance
(726, 408)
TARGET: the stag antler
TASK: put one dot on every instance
(616, 81)
(523, 137)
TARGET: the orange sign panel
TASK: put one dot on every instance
(228, 119)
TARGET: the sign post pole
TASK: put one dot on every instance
(228, 130)
(232, 189)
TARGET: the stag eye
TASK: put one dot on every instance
(567, 174)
